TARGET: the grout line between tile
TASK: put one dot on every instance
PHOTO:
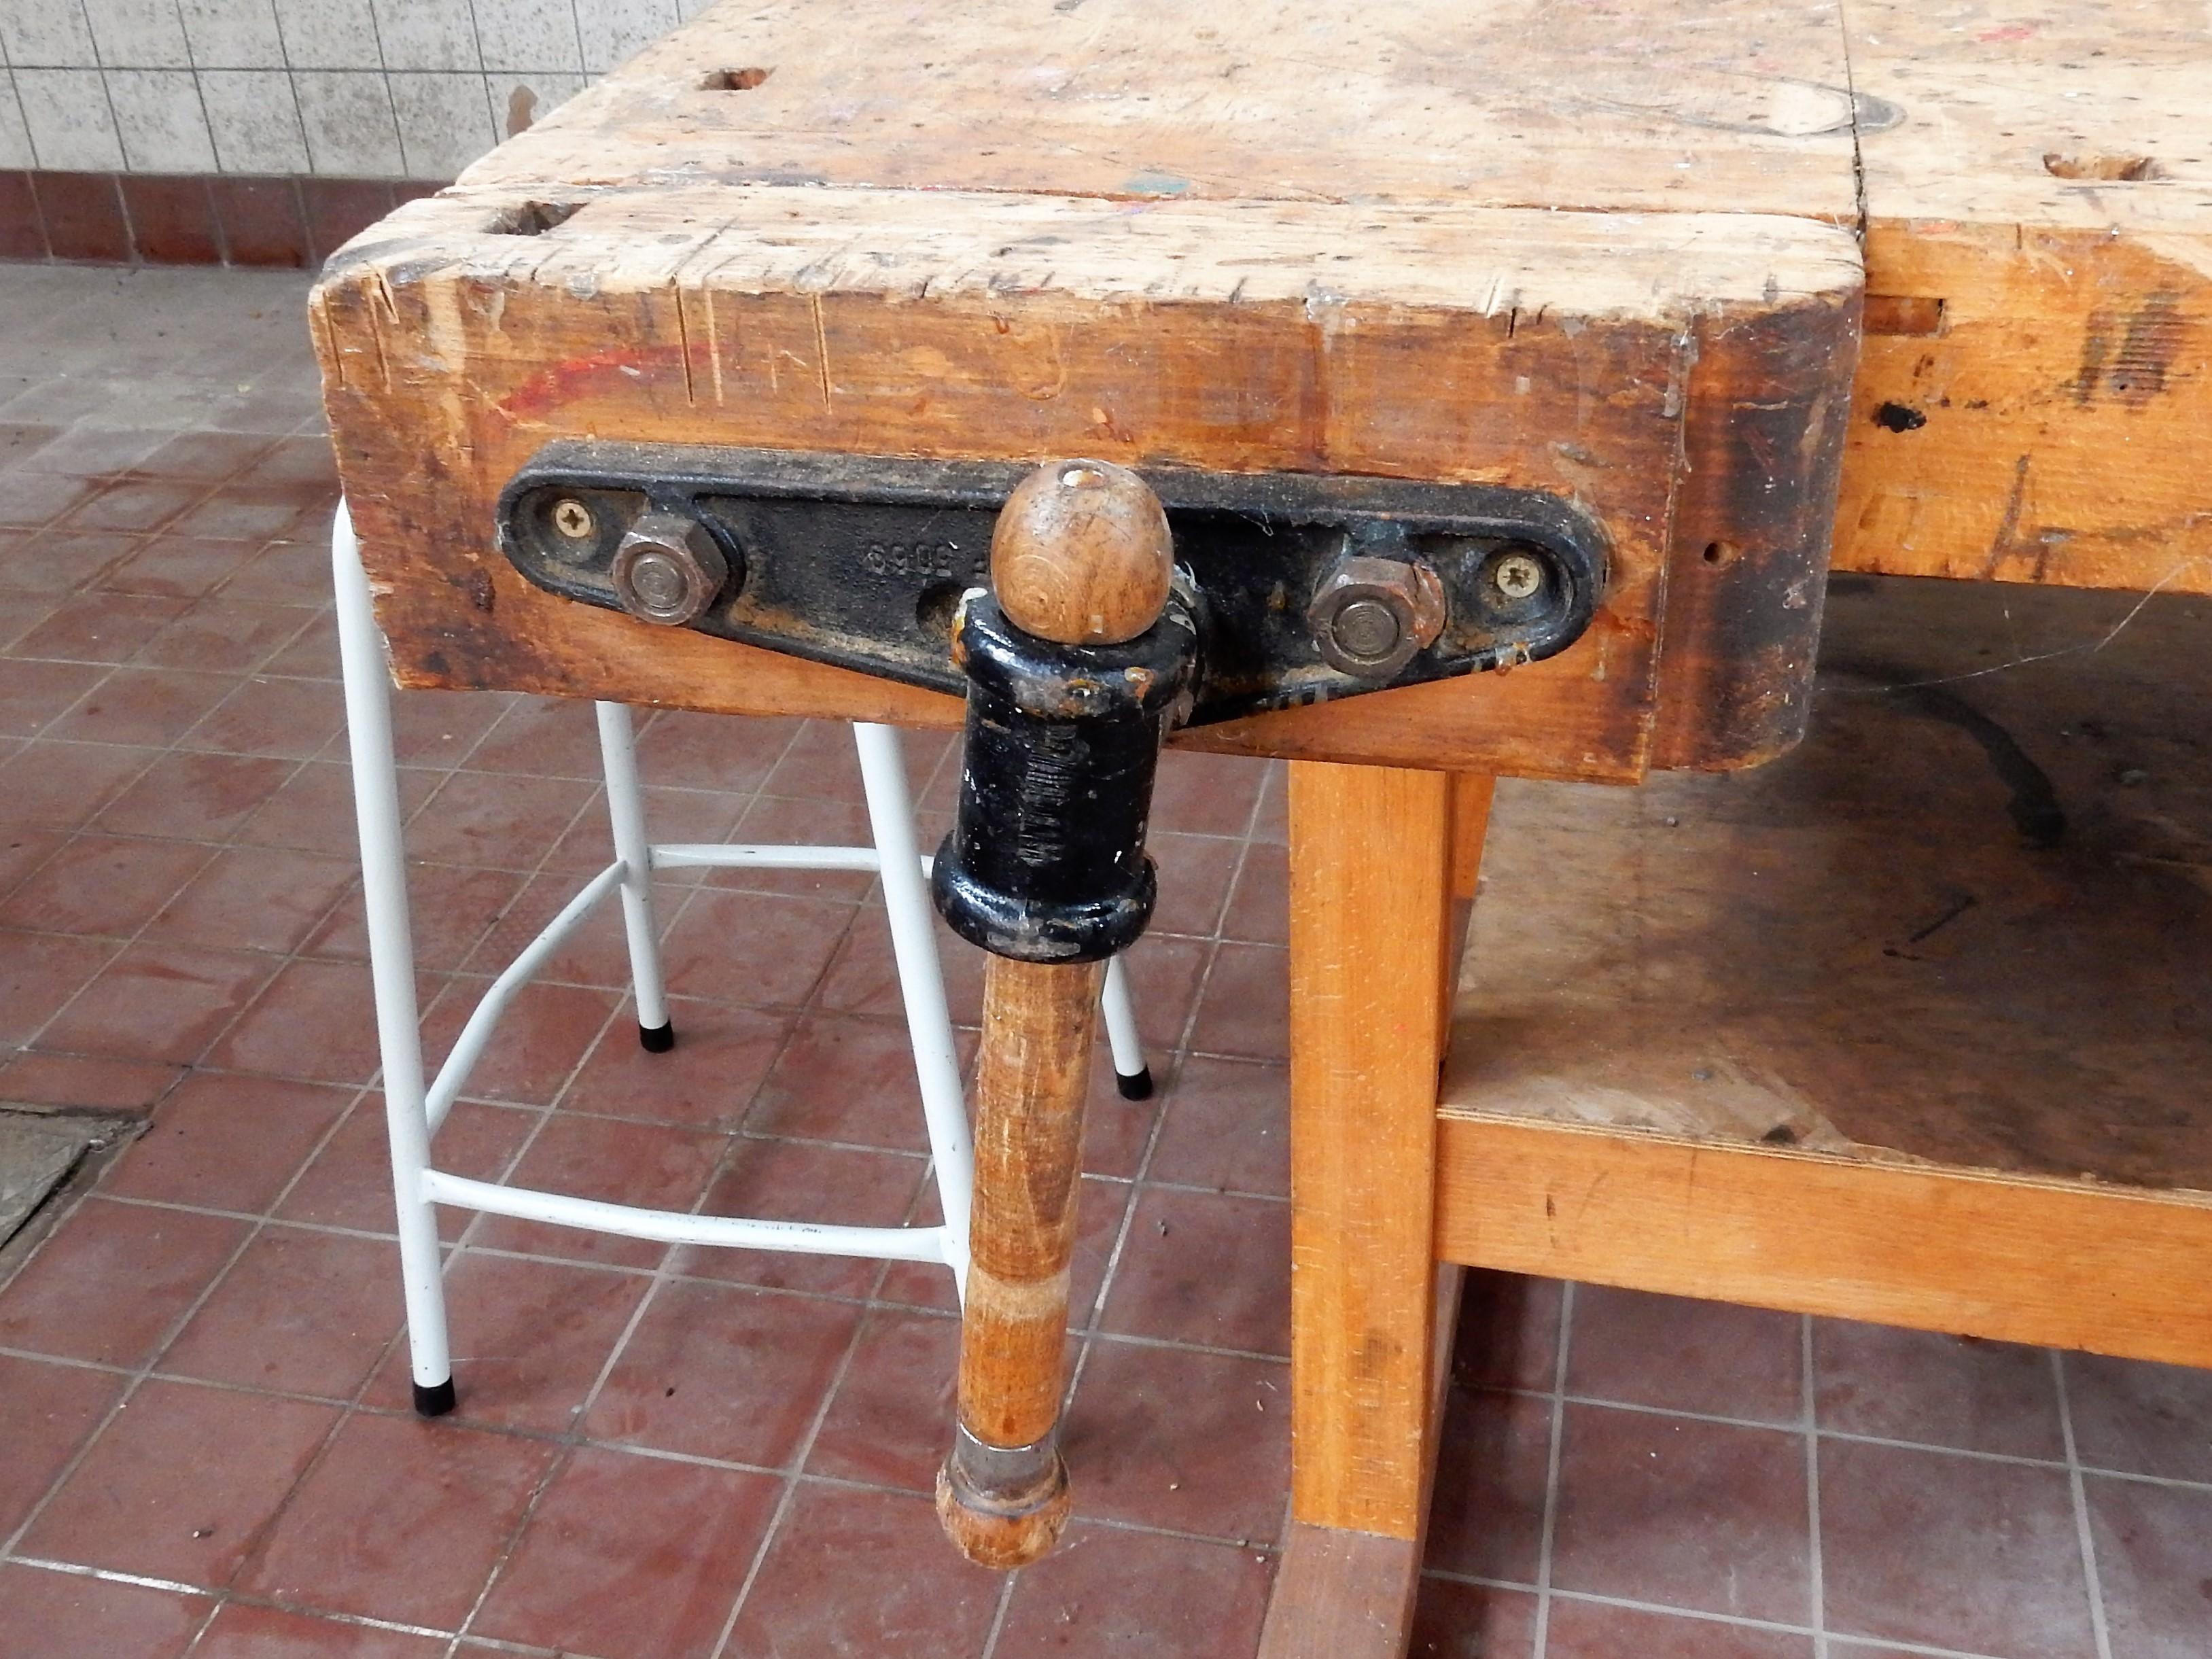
(788, 1495)
(220, 1600)
(477, 1221)
(2099, 1623)
(1088, 1331)
(659, 1276)
(1701, 1616)
(83, 826)
(1548, 1538)
(998, 1614)
(1171, 1071)
(139, 1375)
(1816, 1565)
(554, 1467)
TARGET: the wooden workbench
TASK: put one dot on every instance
(1622, 254)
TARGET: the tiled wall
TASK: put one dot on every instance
(376, 89)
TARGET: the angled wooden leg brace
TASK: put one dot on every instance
(1077, 662)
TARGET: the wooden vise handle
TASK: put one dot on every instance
(1046, 869)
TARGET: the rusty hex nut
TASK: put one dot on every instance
(668, 569)
(1370, 615)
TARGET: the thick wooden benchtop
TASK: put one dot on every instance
(2031, 180)
(1610, 252)
(1607, 257)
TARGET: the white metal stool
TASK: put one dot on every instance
(414, 1111)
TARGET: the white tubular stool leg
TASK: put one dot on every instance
(391, 966)
(921, 982)
(1131, 1075)
(626, 810)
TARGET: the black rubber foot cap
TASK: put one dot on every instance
(657, 1039)
(434, 1399)
(1138, 1087)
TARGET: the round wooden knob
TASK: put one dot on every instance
(1081, 555)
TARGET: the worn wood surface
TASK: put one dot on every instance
(1344, 1594)
(1340, 1594)
(1733, 105)
(1766, 410)
(1127, 233)
(1030, 1081)
(1081, 554)
(1968, 922)
(1472, 794)
(1371, 858)
(2035, 383)
(2066, 1264)
(1546, 351)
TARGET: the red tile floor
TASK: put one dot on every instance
(204, 1447)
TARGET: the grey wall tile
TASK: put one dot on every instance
(254, 120)
(614, 30)
(159, 118)
(66, 111)
(518, 103)
(232, 33)
(295, 86)
(529, 34)
(45, 34)
(427, 35)
(14, 136)
(138, 34)
(445, 122)
(348, 122)
(328, 33)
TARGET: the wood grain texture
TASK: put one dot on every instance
(1540, 351)
(1908, 1026)
(1966, 923)
(1370, 860)
(2005, 1258)
(2033, 400)
(1472, 794)
(1762, 450)
(1734, 105)
(1344, 1594)
(1081, 554)
(1030, 1080)
(1322, 240)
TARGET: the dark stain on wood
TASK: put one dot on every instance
(2153, 335)
(1768, 406)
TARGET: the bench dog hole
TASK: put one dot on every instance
(2113, 169)
(532, 218)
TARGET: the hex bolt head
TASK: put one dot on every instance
(574, 520)
(1369, 615)
(668, 569)
(1368, 630)
(1517, 575)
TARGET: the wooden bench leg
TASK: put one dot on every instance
(1376, 855)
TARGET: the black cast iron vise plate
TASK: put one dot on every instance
(860, 561)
